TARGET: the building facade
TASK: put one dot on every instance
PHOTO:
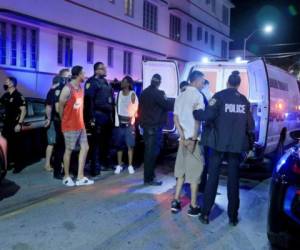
(38, 38)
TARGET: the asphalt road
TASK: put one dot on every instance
(118, 212)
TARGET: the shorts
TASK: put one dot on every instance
(189, 165)
(125, 137)
(74, 140)
(51, 134)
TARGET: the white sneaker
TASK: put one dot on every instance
(118, 169)
(131, 169)
(68, 182)
(84, 182)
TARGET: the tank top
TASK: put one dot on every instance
(126, 110)
(72, 118)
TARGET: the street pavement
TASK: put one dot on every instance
(118, 212)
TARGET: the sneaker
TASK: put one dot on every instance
(118, 169)
(194, 211)
(84, 182)
(68, 182)
(131, 169)
(175, 206)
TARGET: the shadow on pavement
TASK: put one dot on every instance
(8, 188)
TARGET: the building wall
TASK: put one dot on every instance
(105, 24)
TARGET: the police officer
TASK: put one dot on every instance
(153, 109)
(98, 112)
(231, 134)
(15, 110)
(59, 146)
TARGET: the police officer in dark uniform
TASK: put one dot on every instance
(15, 110)
(232, 133)
(98, 114)
(153, 110)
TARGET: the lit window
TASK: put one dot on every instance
(129, 7)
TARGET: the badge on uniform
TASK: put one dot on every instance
(88, 85)
(57, 92)
(11, 99)
(212, 102)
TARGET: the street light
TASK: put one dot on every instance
(266, 29)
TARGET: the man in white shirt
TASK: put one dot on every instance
(189, 160)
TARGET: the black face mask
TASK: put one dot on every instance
(5, 87)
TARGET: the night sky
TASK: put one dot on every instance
(249, 15)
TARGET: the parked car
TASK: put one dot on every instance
(33, 138)
(284, 207)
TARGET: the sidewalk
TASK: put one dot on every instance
(33, 184)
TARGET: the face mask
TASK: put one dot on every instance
(5, 87)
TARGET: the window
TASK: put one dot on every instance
(206, 37)
(150, 16)
(110, 57)
(3, 43)
(207, 2)
(111, 1)
(224, 49)
(212, 42)
(175, 28)
(199, 33)
(33, 49)
(225, 16)
(18, 45)
(13, 56)
(24, 47)
(189, 32)
(64, 55)
(127, 63)
(129, 7)
(213, 6)
(90, 52)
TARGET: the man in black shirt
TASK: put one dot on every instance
(153, 109)
(15, 110)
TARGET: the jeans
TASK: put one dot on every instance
(152, 139)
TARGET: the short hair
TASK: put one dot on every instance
(195, 75)
(129, 80)
(156, 80)
(234, 79)
(62, 71)
(97, 64)
(183, 84)
(13, 80)
(76, 70)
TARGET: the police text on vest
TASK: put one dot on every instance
(235, 108)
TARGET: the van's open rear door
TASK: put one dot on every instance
(259, 99)
(169, 82)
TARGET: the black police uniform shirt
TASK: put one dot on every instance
(98, 101)
(50, 101)
(12, 103)
(154, 107)
(232, 124)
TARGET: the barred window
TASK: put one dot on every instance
(189, 32)
(212, 42)
(3, 40)
(175, 28)
(199, 33)
(129, 8)
(110, 57)
(90, 52)
(150, 16)
(13, 45)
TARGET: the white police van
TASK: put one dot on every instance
(273, 94)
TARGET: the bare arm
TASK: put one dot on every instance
(48, 111)
(178, 127)
(64, 96)
(23, 114)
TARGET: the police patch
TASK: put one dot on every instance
(88, 85)
(212, 102)
(57, 92)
